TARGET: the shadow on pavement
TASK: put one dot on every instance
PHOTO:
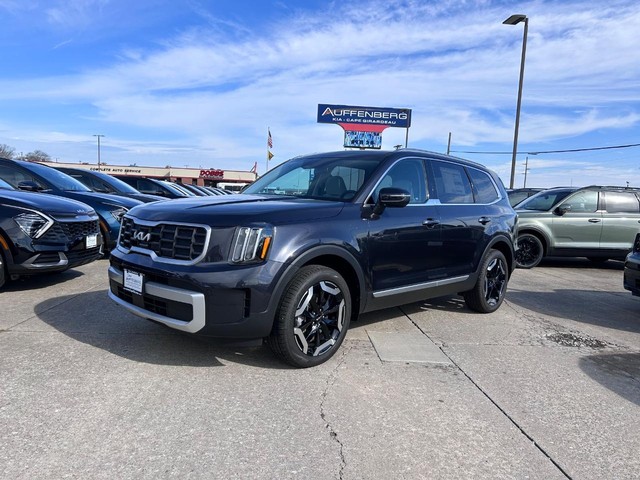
(42, 280)
(583, 263)
(606, 309)
(92, 318)
(613, 371)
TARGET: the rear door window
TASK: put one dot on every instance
(452, 183)
(622, 202)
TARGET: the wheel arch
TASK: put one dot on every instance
(331, 256)
(504, 245)
(540, 235)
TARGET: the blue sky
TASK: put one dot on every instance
(197, 83)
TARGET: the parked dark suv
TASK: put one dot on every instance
(315, 242)
(36, 177)
(44, 233)
(104, 183)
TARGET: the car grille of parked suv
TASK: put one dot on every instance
(63, 231)
(169, 241)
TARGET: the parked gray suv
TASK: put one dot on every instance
(596, 222)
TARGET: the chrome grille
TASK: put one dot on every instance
(171, 241)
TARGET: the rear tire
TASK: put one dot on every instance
(488, 293)
(530, 251)
(313, 317)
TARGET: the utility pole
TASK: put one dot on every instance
(98, 135)
(526, 169)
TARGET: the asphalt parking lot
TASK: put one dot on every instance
(547, 387)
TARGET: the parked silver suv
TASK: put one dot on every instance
(596, 222)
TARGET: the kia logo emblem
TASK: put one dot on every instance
(142, 237)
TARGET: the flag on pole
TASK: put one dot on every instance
(269, 156)
(269, 139)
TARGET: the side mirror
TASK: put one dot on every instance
(28, 186)
(562, 209)
(391, 197)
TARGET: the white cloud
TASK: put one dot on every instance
(455, 65)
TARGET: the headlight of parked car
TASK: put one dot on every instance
(33, 224)
(118, 212)
(251, 244)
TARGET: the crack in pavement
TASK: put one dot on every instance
(494, 402)
(331, 380)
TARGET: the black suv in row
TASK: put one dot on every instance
(44, 233)
(315, 242)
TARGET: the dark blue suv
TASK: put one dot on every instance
(44, 233)
(36, 177)
(314, 243)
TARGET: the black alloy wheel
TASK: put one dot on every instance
(530, 251)
(489, 291)
(313, 317)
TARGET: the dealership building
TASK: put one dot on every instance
(214, 177)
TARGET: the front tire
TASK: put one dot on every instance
(490, 288)
(530, 251)
(3, 271)
(313, 317)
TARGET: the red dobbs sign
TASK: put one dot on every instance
(215, 173)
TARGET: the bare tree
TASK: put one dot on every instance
(6, 151)
(37, 156)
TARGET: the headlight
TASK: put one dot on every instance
(118, 212)
(251, 244)
(33, 224)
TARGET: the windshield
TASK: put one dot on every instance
(4, 185)
(544, 200)
(322, 177)
(116, 183)
(58, 179)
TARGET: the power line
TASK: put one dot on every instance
(554, 151)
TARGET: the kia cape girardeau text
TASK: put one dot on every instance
(314, 243)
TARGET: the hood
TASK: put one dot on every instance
(92, 197)
(232, 210)
(49, 204)
(142, 197)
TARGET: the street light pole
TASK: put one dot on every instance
(514, 20)
(98, 149)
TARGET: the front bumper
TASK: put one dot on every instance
(191, 302)
(34, 258)
(232, 303)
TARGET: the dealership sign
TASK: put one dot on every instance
(341, 114)
(363, 126)
(214, 173)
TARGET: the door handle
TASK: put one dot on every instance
(594, 220)
(484, 220)
(431, 222)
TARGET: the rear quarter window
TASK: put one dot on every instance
(483, 188)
